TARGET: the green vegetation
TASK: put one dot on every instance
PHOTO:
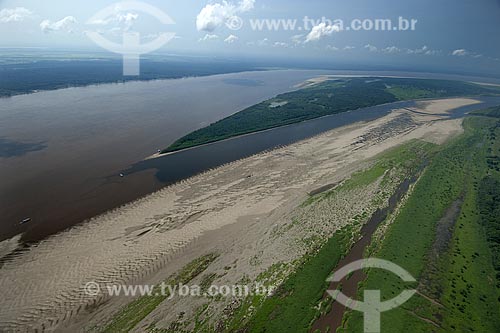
(489, 199)
(406, 93)
(137, 310)
(465, 296)
(298, 301)
(490, 112)
(43, 73)
(292, 307)
(324, 99)
(407, 157)
(407, 89)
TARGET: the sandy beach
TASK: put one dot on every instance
(236, 210)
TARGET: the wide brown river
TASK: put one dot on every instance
(61, 151)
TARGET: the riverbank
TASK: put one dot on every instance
(81, 139)
(237, 210)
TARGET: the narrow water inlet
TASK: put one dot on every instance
(349, 285)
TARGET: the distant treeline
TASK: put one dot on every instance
(490, 112)
(26, 78)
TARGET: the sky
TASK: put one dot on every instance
(448, 33)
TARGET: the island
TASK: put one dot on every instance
(326, 97)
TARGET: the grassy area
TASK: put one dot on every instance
(327, 98)
(467, 295)
(406, 89)
(298, 301)
(489, 197)
(137, 310)
(405, 93)
(406, 157)
(490, 112)
(292, 308)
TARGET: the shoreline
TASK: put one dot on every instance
(134, 242)
(160, 155)
(148, 174)
(118, 191)
(417, 74)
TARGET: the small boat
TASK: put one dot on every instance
(26, 220)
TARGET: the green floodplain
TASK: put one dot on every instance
(458, 272)
(445, 232)
(326, 98)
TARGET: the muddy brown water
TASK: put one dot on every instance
(61, 151)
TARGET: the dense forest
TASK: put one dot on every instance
(330, 97)
(23, 78)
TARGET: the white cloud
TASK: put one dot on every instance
(231, 39)
(280, 44)
(424, 50)
(321, 30)
(297, 39)
(64, 25)
(17, 14)
(466, 53)
(332, 48)
(460, 53)
(126, 20)
(348, 48)
(371, 48)
(215, 15)
(262, 42)
(208, 37)
(246, 5)
(391, 49)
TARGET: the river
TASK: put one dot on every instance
(62, 150)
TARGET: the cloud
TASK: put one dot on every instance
(348, 48)
(126, 20)
(64, 25)
(332, 48)
(208, 37)
(320, 31)
(262, 42)
(215, 15)
(17, 14)
(391, 49)
(297, 39)
(280, 44)
(425, 50)
(231, 39)
(371, 48)
(460, 53)
(467, 53)
(246, 5)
